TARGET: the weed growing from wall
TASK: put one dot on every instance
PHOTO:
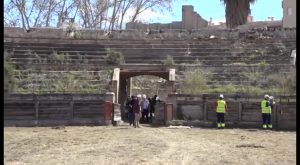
(9, 79)
(114, 58)
(194, 82)
(169, 61)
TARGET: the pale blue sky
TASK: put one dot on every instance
(260, 10)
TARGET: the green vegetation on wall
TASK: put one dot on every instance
(169, 61)
(194, 82)
(9, 80)
(114, 57)
(62, 82)
(256, 80)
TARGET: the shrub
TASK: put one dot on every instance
(285, 83)
(169, 61)
(9, 80)
(194, 82)
(115, 58)
(197, 62)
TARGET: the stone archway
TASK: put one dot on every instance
(121, 80)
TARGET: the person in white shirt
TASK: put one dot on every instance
(145, 108)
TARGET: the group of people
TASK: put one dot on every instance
(267, 104)
(139, 108)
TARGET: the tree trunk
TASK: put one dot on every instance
(237, 12)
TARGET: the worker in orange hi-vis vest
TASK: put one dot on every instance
(221, 110)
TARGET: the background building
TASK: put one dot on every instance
(190, 20)
(289, 13)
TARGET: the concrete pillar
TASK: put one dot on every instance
(128, 86)
(122, 95)
(72, 109)
(168, 113)
(293, 57)
(205, 111)
(187, 17)
(116, 113)
(37, 104)
(172, 99)
(171, 81)
(122, 91)
(195, 20)
(109, 96)
(240, 111)
(108, 109)
(115, 83)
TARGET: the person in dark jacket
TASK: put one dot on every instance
(145, 108)
(152, 106)
(137, 112)
(130, 111)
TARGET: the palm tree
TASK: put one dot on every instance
(237, 12)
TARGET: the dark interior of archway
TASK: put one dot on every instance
(145, 84)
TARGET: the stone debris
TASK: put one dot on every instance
(249, 145)
(177, 127)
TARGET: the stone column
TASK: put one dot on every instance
(172, 99)
(115, 83)
(108, 107)
(168, 113)
(128, 86)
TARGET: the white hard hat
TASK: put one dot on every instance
(157, 98)
(221, 96)
(266, 96)
(144, 96)
(139, 96)
(271, 97)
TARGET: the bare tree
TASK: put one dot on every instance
(40, 6)
(91, 13)
(64, 9)
(11, 15)
(142, 5)
(101, 8)
(116, 7)
(21, 5)
(126, 4)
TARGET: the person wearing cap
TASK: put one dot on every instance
(221, 109)
(266, 112)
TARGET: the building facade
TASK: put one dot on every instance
(289, 13)
(190, 20)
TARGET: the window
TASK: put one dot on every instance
(289, 11)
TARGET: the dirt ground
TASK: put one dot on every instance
(147, 145)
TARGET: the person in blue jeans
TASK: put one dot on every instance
(145, 108)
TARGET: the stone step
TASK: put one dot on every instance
(69, 56)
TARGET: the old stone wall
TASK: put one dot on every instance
(54, 109)
(242, 110)
(165, 34)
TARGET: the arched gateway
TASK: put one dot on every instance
(121, 79)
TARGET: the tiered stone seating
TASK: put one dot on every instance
(209, 53)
